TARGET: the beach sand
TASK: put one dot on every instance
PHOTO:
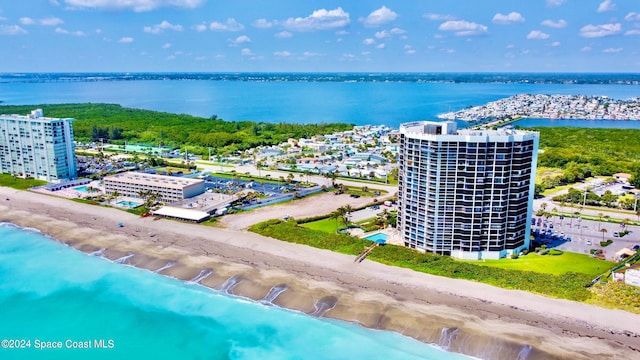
(464, 316)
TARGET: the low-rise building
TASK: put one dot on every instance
(170, 188)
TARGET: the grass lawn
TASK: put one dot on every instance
(174, 170)
(544, 172)
(326, 225)
(18, 183)
(552, 264)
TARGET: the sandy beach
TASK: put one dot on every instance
(477, 319)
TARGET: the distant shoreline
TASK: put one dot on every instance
(437, 77)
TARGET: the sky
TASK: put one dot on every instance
(317, 36)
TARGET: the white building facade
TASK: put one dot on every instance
(466, 193)
(38, 147)
(170, 188)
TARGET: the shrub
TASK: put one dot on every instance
(525, 251)
(567, 286)
(544, 252)
(555, 252)
(606, 243)
(514, 256)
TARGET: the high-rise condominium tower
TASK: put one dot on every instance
(466, 193)
(38, 147)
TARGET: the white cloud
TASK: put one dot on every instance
(166, 45)
(438, 17)
(537, 35)
(342, 32)
(510, 46)
(262, 24)
(410, 51)
(126, 40)
(555, 3)
(310, 54)
(463, 28)
(612, 50)
(380, 46)
(50, 21)
(159, 28)
(135, 5)
(380, 17)
(512, 17)
(200, 27)
(368, 41)
(382, 34)
(11, 30)
(596, 31)
(586, 49)
(632, 32)
(321, 19)
(242, 39)
(247, 52)
(67, 32)
(606, 5)
(555, 43)
(554, 24)
(388, 33)
(632, 16)
(282, 53)
(230, 25)
(283, 35)
(27, 21)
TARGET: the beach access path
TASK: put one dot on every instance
(565, 328)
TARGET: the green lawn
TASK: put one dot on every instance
(328, 225)
(18, 183)
(552, 264)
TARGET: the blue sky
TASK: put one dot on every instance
(310, 36)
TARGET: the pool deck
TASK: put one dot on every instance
(71, 193)
(393, 237)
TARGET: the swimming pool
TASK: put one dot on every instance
(84, 189)
(128, 204)
(380, 238)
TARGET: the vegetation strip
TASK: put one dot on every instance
(569, 285)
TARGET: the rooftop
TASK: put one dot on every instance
(133, 177)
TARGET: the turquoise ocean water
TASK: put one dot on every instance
(52, 293)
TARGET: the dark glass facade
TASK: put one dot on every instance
(465, 193)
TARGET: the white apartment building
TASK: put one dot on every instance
(170, 188)
(465, 193)
(38, 147)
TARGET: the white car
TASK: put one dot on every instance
(588, 242)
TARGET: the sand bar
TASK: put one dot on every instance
(468, 317)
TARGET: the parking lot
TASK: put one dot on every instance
(577, 235)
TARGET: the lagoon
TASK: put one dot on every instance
(360, 103)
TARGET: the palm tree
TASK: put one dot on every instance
(341, 213)
(600, 215)
(603, 231)
(344, 212)
(543, 206)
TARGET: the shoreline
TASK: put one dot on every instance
(326, 284)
